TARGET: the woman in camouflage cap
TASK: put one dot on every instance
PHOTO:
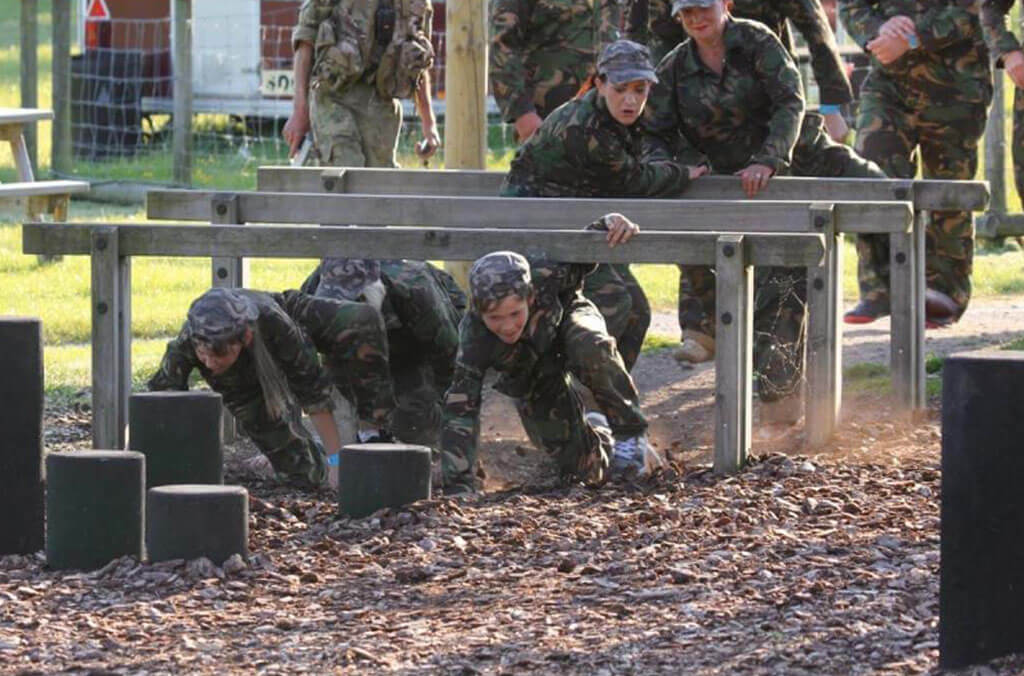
(529, 321)
(259, 351)
(591, 147)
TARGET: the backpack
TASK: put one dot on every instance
(409, 54)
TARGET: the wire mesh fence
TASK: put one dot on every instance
(122, 96)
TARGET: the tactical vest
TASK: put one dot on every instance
(385, 42)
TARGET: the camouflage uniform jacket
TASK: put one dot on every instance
(289, 345)
(807, 16)
(952, 56)
(998, 36)
(555, 286)
(582, 151)
(543, 50)
(749, 114)
(421, 310)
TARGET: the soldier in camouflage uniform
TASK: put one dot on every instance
(339, 46)
(421, 307)
(591, 147)
(927, 90)
(542, 51)
(259, 351)
(697, 283)
(730, 97)
(529, 322)
(1007, 52)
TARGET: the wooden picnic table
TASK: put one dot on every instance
(12, 130)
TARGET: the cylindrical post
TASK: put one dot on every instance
(60, 151)
(182, 39)
(21, 448)
(995, 145)
(29, 74)
(180, 435)
(465, 117)
(93, 507)
(189, 521)
(981, 588)
(372, 476)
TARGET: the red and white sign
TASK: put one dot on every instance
(97, 11)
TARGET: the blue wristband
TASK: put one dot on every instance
(913, 42)
(828, 108)
(334, 460)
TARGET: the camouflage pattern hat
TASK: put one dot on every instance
(626, 61)
(680, 5)
(345, 278)
(497, 275)
(221, 314)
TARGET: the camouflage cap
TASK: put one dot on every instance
(626, 61)
(680, 5)
(345, 278)
(221, 314)
(497, 275)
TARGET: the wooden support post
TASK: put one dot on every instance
(921, 219)
(465, 135)
(227, 272)
(124, 330)
(824, 331)
(30, 74)
(995, 145)
(904, 260)
(733, 356)
(60, 151)
(182, 40)
(107, 430)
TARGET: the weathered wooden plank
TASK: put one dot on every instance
(794, 250)
(733, 345)
(925, 193)
(1000, 225)
(227, 272)
(903, 302)
(920, 263)
(124, 337)
(33, 188)
(497, 212)
(824, 336)
(181, 26)
(106, 338)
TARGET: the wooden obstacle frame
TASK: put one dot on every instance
(112, 246)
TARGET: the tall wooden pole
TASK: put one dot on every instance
(182, 27)
(29, 74)
(465, 137)
(995, 145)
(60, 151)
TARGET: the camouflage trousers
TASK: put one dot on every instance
(780, 294)
(894, 124)
(418, 395)
(552, 411)
(356, 128)
(1018, 140)
(351, 338)
(623, 304)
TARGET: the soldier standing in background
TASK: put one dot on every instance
(1006, 49)
(928, 91)
(542, 51)
(353, 60)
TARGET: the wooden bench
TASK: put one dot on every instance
(824, 344)
(111, 248)
(907, 249)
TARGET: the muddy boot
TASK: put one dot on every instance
(697, 347)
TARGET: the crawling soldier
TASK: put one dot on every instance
(259, 351)
(421, 307)
(529, 321)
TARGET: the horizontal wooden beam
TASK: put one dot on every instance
(34, 188)
(297, 241)
(504, 212)
(926, 194)
(1000, 225)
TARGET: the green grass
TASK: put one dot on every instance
(875, 377)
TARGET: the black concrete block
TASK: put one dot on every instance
(180, 434)
(21, 444)
(982, 571)
(372, 476)
(189, 521)
(93, 507)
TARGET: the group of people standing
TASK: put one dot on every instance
(597, 116)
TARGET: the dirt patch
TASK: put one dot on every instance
(801, 564)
